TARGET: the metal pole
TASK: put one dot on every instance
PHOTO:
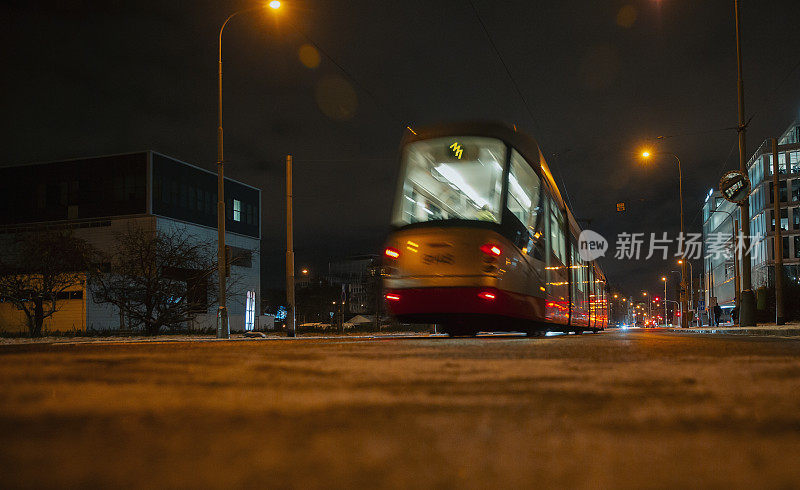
(684, 307)
(290, 313)
(665, 302)
(223, 328)
(747, 312)
(737, 281)
(691, 289)
(779, 320)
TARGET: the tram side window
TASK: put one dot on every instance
(557, 233)
(524, 191)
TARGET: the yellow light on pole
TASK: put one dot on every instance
(274, 4)
(645, 154)
(663, 278)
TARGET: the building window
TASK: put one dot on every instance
(796, 216)
(794, 161)
(797, 246)
(237, 210)
(250, 311)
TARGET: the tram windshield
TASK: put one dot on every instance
(451, 178)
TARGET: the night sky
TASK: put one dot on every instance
(85, 78)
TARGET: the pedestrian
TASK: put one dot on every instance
(717, 314)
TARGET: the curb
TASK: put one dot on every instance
(764, 332)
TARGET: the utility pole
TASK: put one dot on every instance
(747, 314)
(290, 303)
(779, 320)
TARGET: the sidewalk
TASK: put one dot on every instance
(764, 329)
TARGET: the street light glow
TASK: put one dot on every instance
(646, 154)
(274, 4)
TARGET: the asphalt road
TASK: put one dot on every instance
(617, 409)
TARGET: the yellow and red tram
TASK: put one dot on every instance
(482, 239)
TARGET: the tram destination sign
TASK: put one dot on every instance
(735, 186)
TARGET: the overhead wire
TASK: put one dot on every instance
(522, 97)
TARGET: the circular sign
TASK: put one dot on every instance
(735, 186)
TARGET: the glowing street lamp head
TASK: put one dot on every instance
(274, 4)
(664, 278)
(645, 154)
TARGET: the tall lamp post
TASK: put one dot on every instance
(647, 154)
(747, 317)
(223, 328)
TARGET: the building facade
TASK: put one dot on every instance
(99, 197)
(360, 276)
(721, 218)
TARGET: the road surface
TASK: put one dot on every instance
(618, 409)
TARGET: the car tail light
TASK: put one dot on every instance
(391, 253)
(487, 295)
(392, 297)
(491, 249)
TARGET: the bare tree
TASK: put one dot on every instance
(37, 268)
(158, 278)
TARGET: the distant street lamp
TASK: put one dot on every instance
(646, 154)
(223, 329)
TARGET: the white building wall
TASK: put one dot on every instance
(245, 278)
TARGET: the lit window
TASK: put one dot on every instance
(451, 178)
(237, 210)
(250, 311)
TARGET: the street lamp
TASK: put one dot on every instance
(646, 154)
(223, 329)
(649, 304)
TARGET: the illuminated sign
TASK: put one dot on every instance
(620, 206)
(735, 186)
(457, 150)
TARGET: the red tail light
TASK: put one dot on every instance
(391, 253)
(487, 295)
(392, 297)
(491, 249)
